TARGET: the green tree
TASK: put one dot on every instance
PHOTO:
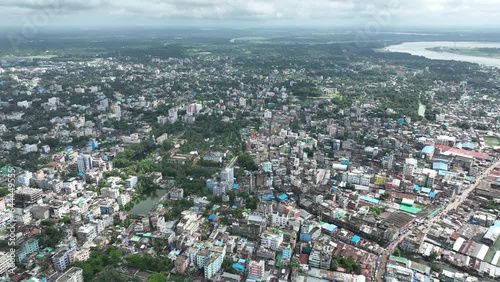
(397, 252)
(157, 277)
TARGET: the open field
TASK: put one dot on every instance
(492, 141)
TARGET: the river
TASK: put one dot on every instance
(420, 49)
(144, 206)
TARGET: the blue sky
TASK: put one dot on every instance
(234, 13)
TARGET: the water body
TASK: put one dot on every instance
(420, 49)
(144, 206)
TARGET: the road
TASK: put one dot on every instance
(381, 265)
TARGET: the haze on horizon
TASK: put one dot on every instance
(252, 13)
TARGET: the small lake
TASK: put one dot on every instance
(421, 49)
(144, 206)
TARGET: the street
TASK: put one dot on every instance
(380, 270)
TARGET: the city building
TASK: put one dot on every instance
(25, 196)
(74, 274)
(256, 270)
(84, 163)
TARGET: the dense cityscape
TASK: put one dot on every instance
(221, 158)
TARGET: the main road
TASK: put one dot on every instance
(382, 263)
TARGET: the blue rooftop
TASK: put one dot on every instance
(416, 187)
(330, 227)
(268, 198)
(428, 150)
(282, 197)
(468, 145)
(369, 200)
(432, 194)
(426, 190)
(440, 166)
(235, 186)
(355, 239)
(234, 207)
(211, 217)
(238, 267)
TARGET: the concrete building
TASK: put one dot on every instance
(86, 233)
(213, 265)
(409, 167)
(74, 274)
(25, 196)
(131, 182)
(271, 240)
(256, 270)
(25, 178)
(84, 163)
(227, 175)
(60, 260)
(6, 263)
(181, 264)
(28, 247)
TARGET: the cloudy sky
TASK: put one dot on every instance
(247, 13)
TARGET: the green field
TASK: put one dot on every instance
(492, 141)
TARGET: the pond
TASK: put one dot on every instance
(145, 205)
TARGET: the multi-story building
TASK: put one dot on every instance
(131, 182)
(227, 175)
(74, 274)
(173, 115)
(86, 233)
(112, 193)
(28, 247)
(6, 263)
(213, 265)
(256, 270)
(409, 167)
(123, 199)
(25, 178)
(181, 264)
(176, 194)
(25, 196)
(84, 163)
(60, 260)
(271, 240)
(279, 219)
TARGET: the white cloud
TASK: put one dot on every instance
(458, 11)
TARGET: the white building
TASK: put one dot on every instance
(6, 263)
(123, 199)
(268, 114)
(112, 193)
(74, 274)
(227, 175)
(271, 240)
(30, 148)
(279, 219)
(86, 233)
(25, 178)
(84, 163)
(409, 167)
(172, 115)
(131, 182)
(213, 265)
